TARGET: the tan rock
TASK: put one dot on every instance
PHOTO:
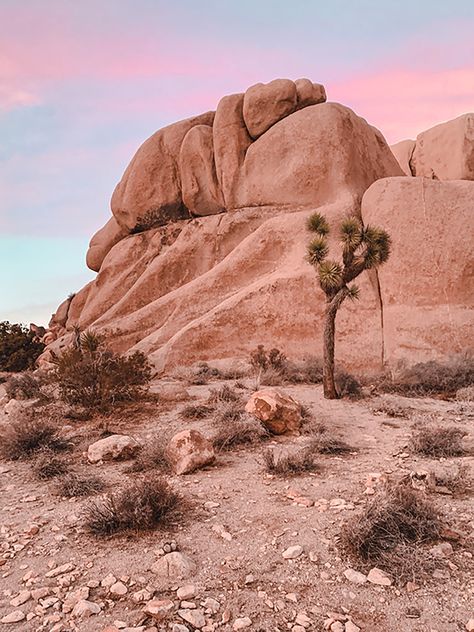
(13, 617)
(102, 242)
(309, 93)
(149, 193)
(446, 151)
(158, 609)
(377, 576)
(429, 314)
(279, 413)
(84, 609)
(266, 103)
(403, 152)
(114, 447)
(173, 566)
(189, 450)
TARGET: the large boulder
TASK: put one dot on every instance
(266, 103)
(446, 151)
(114, 447)
(427, 285)
(103, 241)
(278, 412)
(403, 152)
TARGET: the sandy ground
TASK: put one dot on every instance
(237, 538)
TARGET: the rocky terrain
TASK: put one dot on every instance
(253, 550)
(204, 256)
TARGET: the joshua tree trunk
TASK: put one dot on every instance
(329, 383)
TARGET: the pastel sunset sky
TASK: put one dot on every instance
(84, 82)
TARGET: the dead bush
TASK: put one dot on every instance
(75, 486)
(273, 368)
(389, 532)
(465, 394)
(24, 386)
(391, 409)
(227, 413)
(93, 376)
(431, 378)
(141, 505)
(152, 456)
(196, 411)
(290, 464)
(324, 443)
(244, 431)
(347, 385)
(48, 466)
(439, 442)
(19, 347)
(29, 435)
(223, 394)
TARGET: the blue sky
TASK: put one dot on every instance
(82, 84)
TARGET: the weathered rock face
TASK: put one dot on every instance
(279, 413)
(113, 447)
(427, 285)
(189, 450)
(205, 256)
(443, 152)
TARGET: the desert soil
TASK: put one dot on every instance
(242, 522)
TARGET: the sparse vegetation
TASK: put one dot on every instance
(243, 431)
(141, 505)
(91, 375)
(347, 385)
(458, 481)
(392, 409)
(28, 435)
(272, 368)
(290, 464)
(439, 441)
(73, 485)
(19, 347)
(434, 378)
(196, 411)
(363, 248)
(223, 394)
(48, 466)
(324, 443)
(389, 533)
(24, 386)
(152, 456)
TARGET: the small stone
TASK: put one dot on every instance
(444, 549)
(61, 570)
(355, 576)
(187, 605)
(40, 593)
(186, 592)
(14, 617)
(194, 617)
(211, 605)
(173, 566)
(337, 626)
(292, 552)
(118, 589)
(298, 628)
(303, 620)
(242, 623)
(84, 608)
(20, 599)
(108, 581)
(140, 596)
(377, 576)
(470, 625)
(412, 587)
(158, 609)
(179, 627)
(351, 627)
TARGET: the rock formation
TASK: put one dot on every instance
(204, 257)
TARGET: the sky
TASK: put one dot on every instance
(84, 83)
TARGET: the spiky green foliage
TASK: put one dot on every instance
(353, 292)
(317, 250)
(317, 223)
(351, 233)
(330, 276)
(378, 244)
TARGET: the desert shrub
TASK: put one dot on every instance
(244, 431)
(226, 413)
(439, 441)
(48, 466)
(29, 435)
(465, 394)
(24, 386)
(196, 411)
(389, 531)
(392, 409)
(203, 373)
(290, 464)
(19, 347)
(91, 375)
(73, 485)
(141, 505)
(347, 385)
(223, 394)
(429, 378)
(152, 456)
(324, 443)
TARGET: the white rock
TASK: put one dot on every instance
(158, 609)
(194, 617)
(377, 576)
(241, 623)
(140, 596)
(292, 552)
(173, 566)
(178, 627)
(186, 592)
(108, 581)
(61, 570)
(14, 617)
(470, 625)
(351, 627)
(20, 599)
(119, 589)
(355, 576)
(113, 447)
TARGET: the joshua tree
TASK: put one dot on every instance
(363, 248)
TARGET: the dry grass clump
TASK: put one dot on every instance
(140, 506)
(73, 485)
(431, 378)
(244, 431)
(223, 394)
(389, 532)
(439, 442)
(152, 456)
(29, 435)
(392, 409)
(196, 411)
(48, 466)
(326, 444)
(465, 394)
(24, 386)
(290, 464)
(347, 385)
(273, 368)
(227, 413)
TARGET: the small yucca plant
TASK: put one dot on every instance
(363, 248)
